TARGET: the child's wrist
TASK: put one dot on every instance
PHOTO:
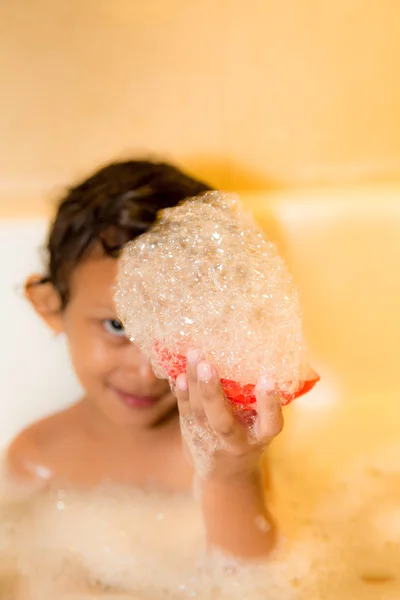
(234, 473)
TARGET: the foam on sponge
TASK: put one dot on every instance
(205, 276)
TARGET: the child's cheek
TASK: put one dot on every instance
(90, 354)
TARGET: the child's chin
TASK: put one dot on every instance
(144, 417)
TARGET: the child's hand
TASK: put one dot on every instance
(219, 445)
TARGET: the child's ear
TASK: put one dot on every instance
(46, 301)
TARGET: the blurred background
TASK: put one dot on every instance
(251, 96)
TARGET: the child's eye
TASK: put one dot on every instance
(114, 327)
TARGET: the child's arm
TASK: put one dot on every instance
(236, 517)
(231, 481)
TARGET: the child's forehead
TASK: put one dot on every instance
(95, 276)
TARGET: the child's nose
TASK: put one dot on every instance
(146, 371)
(137, 363)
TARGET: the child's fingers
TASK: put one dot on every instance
(182, 395)
(194, 357)
(270, 418)
(217, 410)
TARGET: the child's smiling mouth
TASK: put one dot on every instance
(135, 400)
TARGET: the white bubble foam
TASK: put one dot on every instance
(111, 542)
(206, 276)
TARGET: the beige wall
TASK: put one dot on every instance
(248, 94)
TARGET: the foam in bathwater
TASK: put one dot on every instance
(205, 276)
(118, 543)
(128, 544)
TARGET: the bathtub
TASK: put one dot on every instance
(343, 248)
(35, 375)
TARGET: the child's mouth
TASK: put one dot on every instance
(135, 401)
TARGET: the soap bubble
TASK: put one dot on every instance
(205, 276)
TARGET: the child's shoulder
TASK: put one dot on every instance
(33, 453)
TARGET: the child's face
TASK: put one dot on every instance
(116, 376)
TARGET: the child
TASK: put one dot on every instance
(126, 428)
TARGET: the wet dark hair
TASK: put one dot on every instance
(113, 206)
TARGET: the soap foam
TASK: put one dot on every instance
(129, 544)
(205, 276)
(118, 542)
